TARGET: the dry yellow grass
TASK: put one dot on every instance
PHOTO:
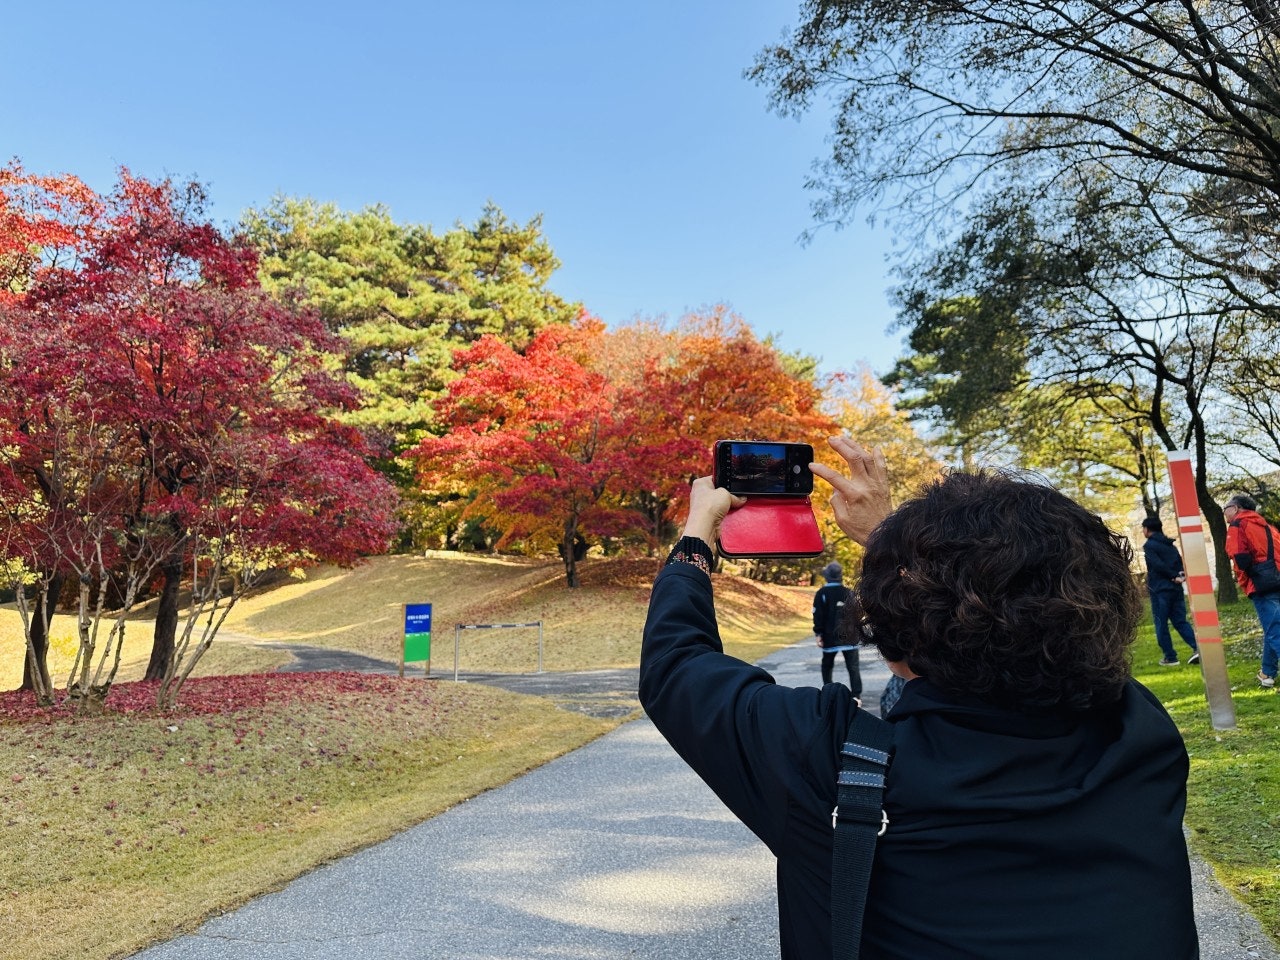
(596, 626)
(229, 654)
(357, 610)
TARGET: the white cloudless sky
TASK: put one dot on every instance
(663, 181)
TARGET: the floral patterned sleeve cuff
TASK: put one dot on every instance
(692, 550)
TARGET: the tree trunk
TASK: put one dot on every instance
(570, 554)
(166, 633)
(1217, 523)
(40, 624)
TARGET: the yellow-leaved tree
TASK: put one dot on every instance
(865, 410)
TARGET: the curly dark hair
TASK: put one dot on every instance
(1003, 589)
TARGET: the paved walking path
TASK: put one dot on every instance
(599, 693)
(613, 851)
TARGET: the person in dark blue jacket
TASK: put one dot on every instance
(828, 608)
(1036, 792)
(1165, 578)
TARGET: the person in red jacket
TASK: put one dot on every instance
(1247, 547)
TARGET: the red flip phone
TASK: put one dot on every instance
(777, 519)
(768, 526)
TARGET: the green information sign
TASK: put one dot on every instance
(417, 647)
(417, 632)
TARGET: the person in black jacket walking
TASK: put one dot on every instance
(1165, 578)
(828, 611)
(1036, 791)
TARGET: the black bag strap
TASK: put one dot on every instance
(859, 819)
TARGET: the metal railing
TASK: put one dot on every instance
(457, 634)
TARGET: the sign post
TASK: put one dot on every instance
(417, 636)
(1204, 606)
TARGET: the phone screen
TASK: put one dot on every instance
(769, 468)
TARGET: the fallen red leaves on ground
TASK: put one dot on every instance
(206, 695)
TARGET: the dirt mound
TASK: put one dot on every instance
(766, 599)
(620, 571)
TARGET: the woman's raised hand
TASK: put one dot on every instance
(860, 499)
(708, 505)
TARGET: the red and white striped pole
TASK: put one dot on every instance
(1204, 605)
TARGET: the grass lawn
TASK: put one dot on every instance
(131, 827)
(1233, 796)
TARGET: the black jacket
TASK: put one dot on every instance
(1011, 835)
(828, 610)
(1163, 564)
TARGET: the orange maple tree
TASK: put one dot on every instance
(709, 379)
(734, 385)
(539, 439)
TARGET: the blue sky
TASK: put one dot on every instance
(663, 181)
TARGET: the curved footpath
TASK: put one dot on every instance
(613, 851)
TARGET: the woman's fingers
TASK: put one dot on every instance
(869, 460)
(708, 505)
(860, 498)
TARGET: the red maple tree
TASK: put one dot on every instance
(44, 220)
(152, 391)
(595, 433)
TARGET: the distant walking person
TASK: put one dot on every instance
(1165, 578)
(828, 611)
(1252, 544)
